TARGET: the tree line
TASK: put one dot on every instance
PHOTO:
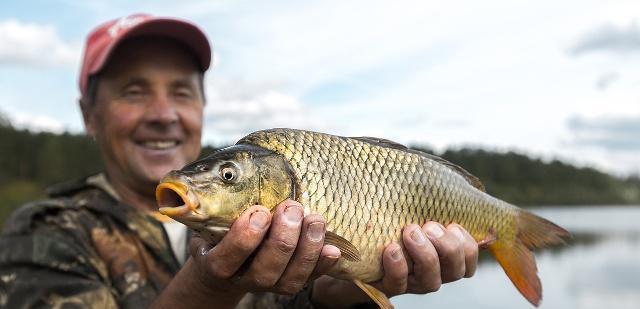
(32, 161)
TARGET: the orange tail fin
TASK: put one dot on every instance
(515, 255)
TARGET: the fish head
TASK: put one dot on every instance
(208, 195)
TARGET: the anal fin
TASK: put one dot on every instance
(376, 295)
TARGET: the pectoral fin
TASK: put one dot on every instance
(376, 295)
(347, 249)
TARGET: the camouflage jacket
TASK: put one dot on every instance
(83, 248)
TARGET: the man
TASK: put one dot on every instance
(100, 243)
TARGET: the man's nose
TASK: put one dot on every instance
(161, 110)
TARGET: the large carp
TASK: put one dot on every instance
(366, 188)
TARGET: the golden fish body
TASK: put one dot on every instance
(367, 189)
(368, 192)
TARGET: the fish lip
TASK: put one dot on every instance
(193, 217)
(179, 188)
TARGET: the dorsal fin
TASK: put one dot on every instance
(381, 142)
(471, 179)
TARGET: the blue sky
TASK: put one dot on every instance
(555, 79)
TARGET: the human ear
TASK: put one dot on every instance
(87, 117)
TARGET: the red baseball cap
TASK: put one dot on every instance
(103, 40)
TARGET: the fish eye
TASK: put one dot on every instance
(228, 173)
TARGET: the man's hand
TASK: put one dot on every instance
(281, 258)
(433, 255)
(261, 252)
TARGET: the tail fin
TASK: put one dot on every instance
(517, 259)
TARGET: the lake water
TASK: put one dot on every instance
(600, 268)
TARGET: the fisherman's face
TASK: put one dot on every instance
(147, 116)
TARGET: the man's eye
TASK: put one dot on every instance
(185, 94)
(133, 92)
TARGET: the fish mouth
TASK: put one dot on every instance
(176, 200)
(181, 204)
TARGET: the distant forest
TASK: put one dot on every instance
(32, 161)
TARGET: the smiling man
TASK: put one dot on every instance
(99, 242)
(146, 113)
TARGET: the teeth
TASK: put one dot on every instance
(160, 144)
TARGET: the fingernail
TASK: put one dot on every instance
(293, 214)
(458, 232)
(316, 231)
(258, 220)
(435, 230)
(331, 252)
(396, 254)
(418, 236)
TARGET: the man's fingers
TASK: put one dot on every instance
(329, 256)
(197, 245)
(305, 257)
(425, 277)
(470, 247)
(450, 250)
(396, 270)
(278, 247)
(243, 238)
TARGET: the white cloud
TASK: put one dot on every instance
(321, 41)
(34, 123)
(34, 45)
(614, 133)
(606, 79)
(236, 108)
(612, 38)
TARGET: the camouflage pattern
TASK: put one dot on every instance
(83, 248)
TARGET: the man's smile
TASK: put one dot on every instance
(159, 144)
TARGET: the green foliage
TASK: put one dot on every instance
(4, 121)
(45, 158)
(29, 162)
(524, 181)
(17, 193)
